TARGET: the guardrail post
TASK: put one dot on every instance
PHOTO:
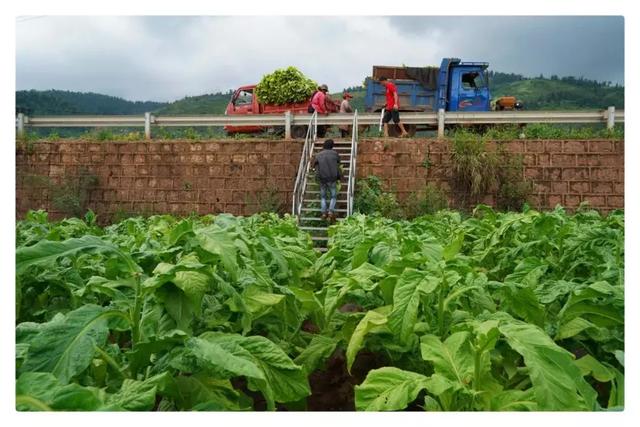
(147, 125)
(287, 125)
(611, 118)
(20, 125)
(441, 123)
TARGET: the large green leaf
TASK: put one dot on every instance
(220, 243)
(266, 366)
(46, 252)
(406, 300)
(204, 391)
(372, 321)
(194, 285)
(454, 247)
(590, 366)
(521, 301)
(388, 389)
(599, 303)
(220, 358)
(318, 350)
(42, 391)
(139, 395)
(557, 381)
(452, 358)
(514, 400)
(366, 275)
(65, 346)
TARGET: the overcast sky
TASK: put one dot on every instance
(167, 58)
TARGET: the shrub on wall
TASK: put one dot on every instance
(477, 172)
(428, 201)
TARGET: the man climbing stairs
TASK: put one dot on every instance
(307, 191)
(310, 220)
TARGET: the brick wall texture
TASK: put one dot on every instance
(237, 176)
(565, 172)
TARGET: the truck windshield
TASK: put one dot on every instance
(472, 80)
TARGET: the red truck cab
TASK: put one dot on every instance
(245, 101)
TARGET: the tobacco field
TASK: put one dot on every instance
(515, 311)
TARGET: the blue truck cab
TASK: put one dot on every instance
(454, 86)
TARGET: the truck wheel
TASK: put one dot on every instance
(322, 130)
(394, 130)
(411, 129)
(298, 132)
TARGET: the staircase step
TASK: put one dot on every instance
(319, 238)
(307, 228)
(339, 193)
(318, 210)
(315, 182)
(318, 200)
(315, 219)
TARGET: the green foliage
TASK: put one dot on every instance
(549, 131)
(428, 201)
(478, 314)
(473, 169)
(513, 189)
(283, 86)
(371, 198)
(72, 194)
(141, 299)
(493, 312)
(477, 172)
(268, 199)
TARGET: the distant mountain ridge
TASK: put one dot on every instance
(536, 93)
(62, 102)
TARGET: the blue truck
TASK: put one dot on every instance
(454, 86)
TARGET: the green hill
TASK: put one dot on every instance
(61, 102)
(214, 103)
(567, 93)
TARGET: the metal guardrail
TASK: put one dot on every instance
(436, 119)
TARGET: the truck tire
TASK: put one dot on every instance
(411, 129)
(394, 130)
(299, 132)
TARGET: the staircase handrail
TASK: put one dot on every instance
(303, 167)
(351, 183)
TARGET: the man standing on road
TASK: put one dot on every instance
(327, 166)
(345, 107)
(391, 108)
(319, 105)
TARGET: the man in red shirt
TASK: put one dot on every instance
(318, 102)
(319, 105)
(391, 108)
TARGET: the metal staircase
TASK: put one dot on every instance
(306, 193)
